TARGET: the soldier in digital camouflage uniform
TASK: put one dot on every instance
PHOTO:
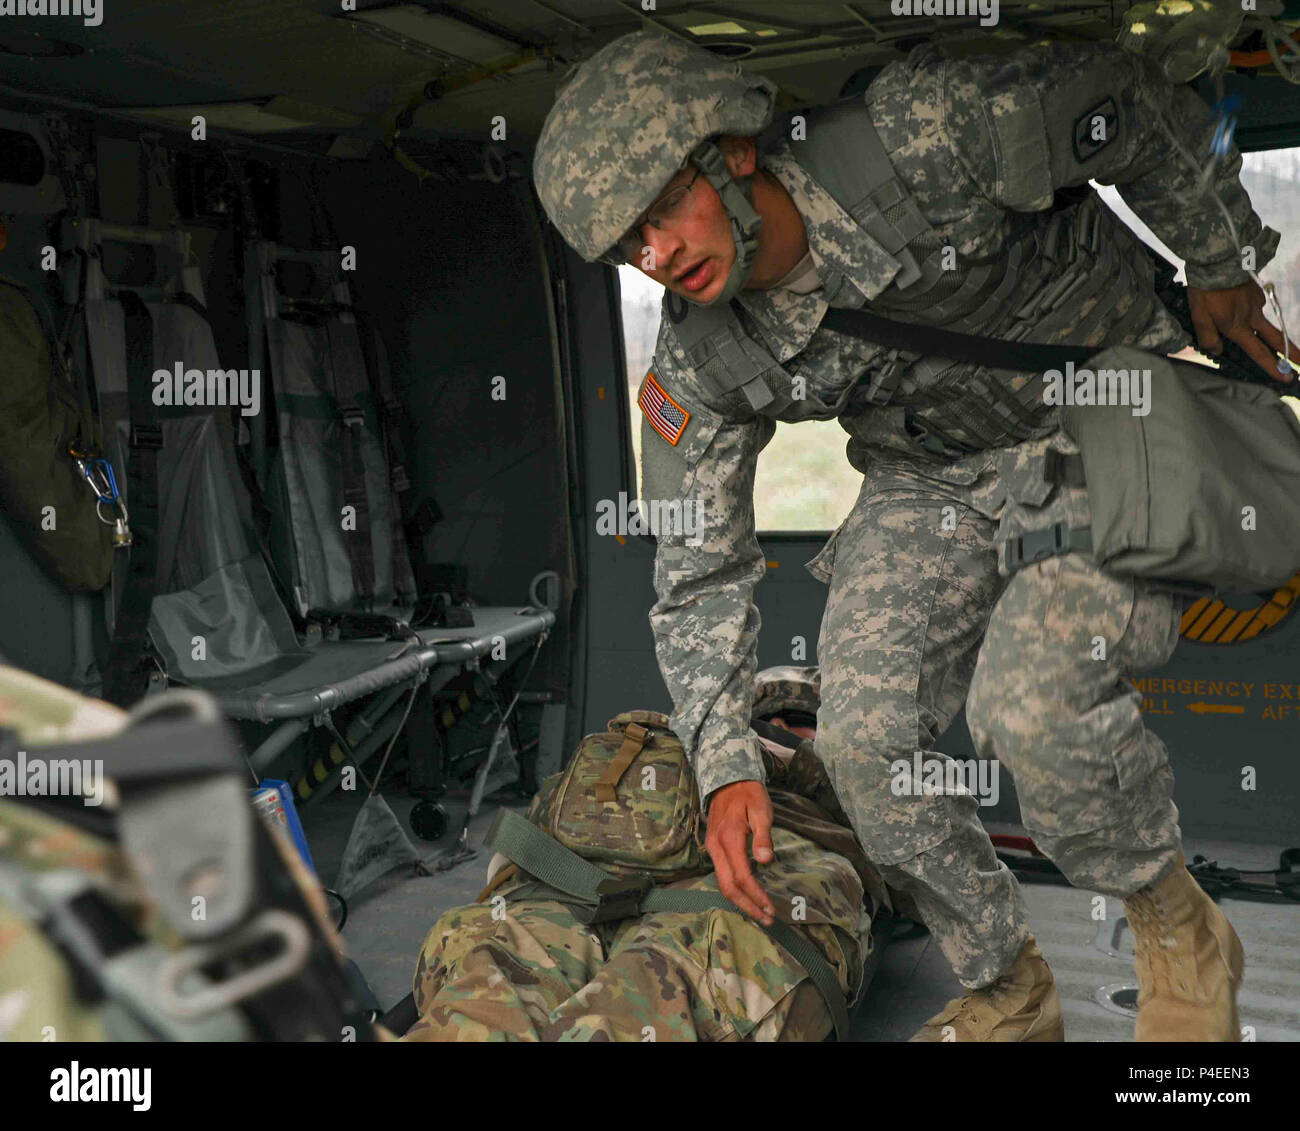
(529, 971)
(979, 219)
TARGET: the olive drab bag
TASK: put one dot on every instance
(628, 802)
(1204, 488)
(39, 417)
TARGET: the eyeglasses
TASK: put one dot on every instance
(663, 211)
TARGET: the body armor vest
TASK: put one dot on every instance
(1071, 274)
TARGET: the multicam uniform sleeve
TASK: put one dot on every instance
(704, 620)
(1057, 115)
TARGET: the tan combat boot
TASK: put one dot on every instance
(1022, 1005)
(1189, 962)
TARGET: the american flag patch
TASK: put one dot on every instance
(666, 416)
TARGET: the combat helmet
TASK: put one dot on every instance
(786, 688)
(626, 121)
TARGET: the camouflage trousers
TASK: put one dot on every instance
(527, 970)
(919, 619)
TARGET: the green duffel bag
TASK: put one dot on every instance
(1204, 488)
(628, 802)
(39, 417)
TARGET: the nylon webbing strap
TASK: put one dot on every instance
(390, 425)
(544, 857)
(126, 676)
(931, 341)
(1035, 545)
(166, 750)
(184, 298)
(634, 737)
(359, 541)
(611, 897)
(850, 162)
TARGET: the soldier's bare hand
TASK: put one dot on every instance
(1237, 313)
(738, 811)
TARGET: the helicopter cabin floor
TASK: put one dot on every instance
(388, 922)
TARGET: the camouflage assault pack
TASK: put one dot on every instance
(628, 801)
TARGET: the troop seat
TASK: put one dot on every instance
(339, 672)
(335, 478)
(199, 577)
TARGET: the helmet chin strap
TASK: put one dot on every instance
(745, 221)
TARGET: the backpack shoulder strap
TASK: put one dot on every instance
(846, 157)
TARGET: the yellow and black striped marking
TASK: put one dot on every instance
(1210, 621)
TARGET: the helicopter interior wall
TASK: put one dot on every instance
(454, 277)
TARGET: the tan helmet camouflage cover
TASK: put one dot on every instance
(1184, 37)
(787, 688)
(623, 124)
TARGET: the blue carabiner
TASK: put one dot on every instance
(99, 474)
(113, 494)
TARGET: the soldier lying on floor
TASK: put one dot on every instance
(531, 961)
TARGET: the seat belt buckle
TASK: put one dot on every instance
(618, 897)
(148, 436)
(1035, 546)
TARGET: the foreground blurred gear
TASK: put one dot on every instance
(1022, 1005)
(1189, 962)
(149, 916)
(626, 121)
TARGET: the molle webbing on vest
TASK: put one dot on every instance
(730, 359)
(634, 737)
(1063, 275)
(964, 410)
(846, 157)
(969, 299)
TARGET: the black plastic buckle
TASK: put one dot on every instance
(618, 897)
(1034, 546)
(353, 417)
(146, 436)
